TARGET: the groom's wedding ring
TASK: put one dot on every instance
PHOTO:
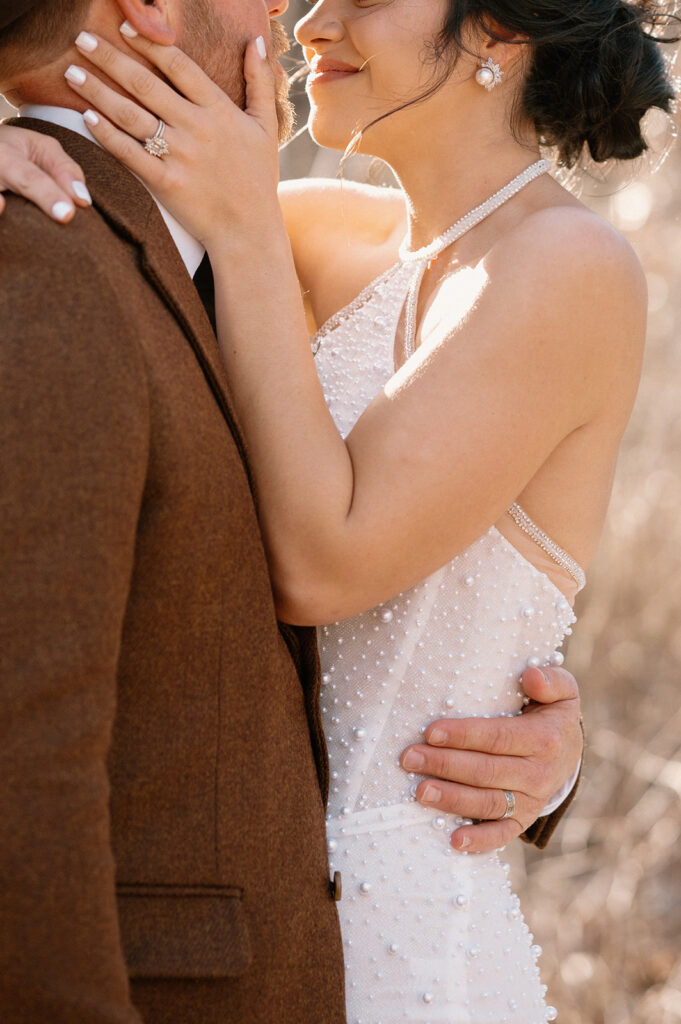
(510, 805)
(157, 145)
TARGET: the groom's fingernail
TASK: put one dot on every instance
(437, 736)
(75, 74)
(261, 48)
(86, 42)
(413, 760)
(126, 29)
(431, 795)
(461, 842)
(60, 211)
(81, 190)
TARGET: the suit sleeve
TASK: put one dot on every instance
(542, 829)
(73, 446)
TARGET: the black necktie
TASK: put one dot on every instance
(205, 286)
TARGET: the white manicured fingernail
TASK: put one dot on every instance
(86, 42)
(126, 29)
(90, 117)
(82, 191)
(60, 211)
(261, 48)
(75, 74)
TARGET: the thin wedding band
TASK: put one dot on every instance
(156, 144)
(510, 805)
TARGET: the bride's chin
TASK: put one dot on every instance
(326, 133)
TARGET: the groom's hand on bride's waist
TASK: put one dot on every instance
(470, 762)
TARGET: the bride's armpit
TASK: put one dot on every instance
(559, 575)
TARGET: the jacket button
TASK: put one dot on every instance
(336, 886)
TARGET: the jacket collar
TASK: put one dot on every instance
(132, 212)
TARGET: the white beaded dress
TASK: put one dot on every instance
(430, 934)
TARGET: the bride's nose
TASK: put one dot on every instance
(319, 26)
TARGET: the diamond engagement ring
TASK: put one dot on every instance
(157, 145)
(510, 805)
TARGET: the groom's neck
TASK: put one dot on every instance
(46, 84)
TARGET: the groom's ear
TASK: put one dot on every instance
(153, 20)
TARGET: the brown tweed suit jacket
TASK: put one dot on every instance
(162, 852)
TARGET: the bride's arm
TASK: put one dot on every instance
(442, 452)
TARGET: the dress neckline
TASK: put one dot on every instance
(475, 216)
(419, 258)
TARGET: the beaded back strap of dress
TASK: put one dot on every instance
(422, 257)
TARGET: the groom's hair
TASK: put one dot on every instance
(41, 34)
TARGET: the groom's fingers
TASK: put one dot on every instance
(485, 771)
(487, 836)
(550, 684)
(473, 802)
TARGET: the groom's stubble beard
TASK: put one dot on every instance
(207, 40)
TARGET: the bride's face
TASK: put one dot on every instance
(368, 57)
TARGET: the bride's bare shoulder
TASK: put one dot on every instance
(577, 286)
(320, 212)
(577, 241)
(567, 254)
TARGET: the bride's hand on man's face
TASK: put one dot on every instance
(222, 162)
(35, 166)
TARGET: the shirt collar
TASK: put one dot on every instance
(190, 249)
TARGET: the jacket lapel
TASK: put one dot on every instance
(130, 209)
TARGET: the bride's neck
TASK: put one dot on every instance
(446, 176)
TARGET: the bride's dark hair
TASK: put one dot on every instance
(594, 67)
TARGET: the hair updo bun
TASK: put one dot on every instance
(596, 68)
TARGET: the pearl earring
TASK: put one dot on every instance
(489, 74)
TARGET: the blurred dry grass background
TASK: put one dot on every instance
(604, 900)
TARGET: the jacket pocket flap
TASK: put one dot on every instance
(183, 931)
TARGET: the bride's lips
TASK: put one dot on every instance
(323, 69)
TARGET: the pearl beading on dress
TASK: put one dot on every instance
(430, 934)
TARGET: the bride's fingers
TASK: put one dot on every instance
(35, 166)
(25, 179)
(138, 81)
(66, 181)
(259, 76)
(150, 169)
(125, 113)
(177, 67)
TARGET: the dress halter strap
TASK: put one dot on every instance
(421, 257)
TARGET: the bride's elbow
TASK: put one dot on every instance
(305, 599)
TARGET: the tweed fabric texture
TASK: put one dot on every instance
(162, 765)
